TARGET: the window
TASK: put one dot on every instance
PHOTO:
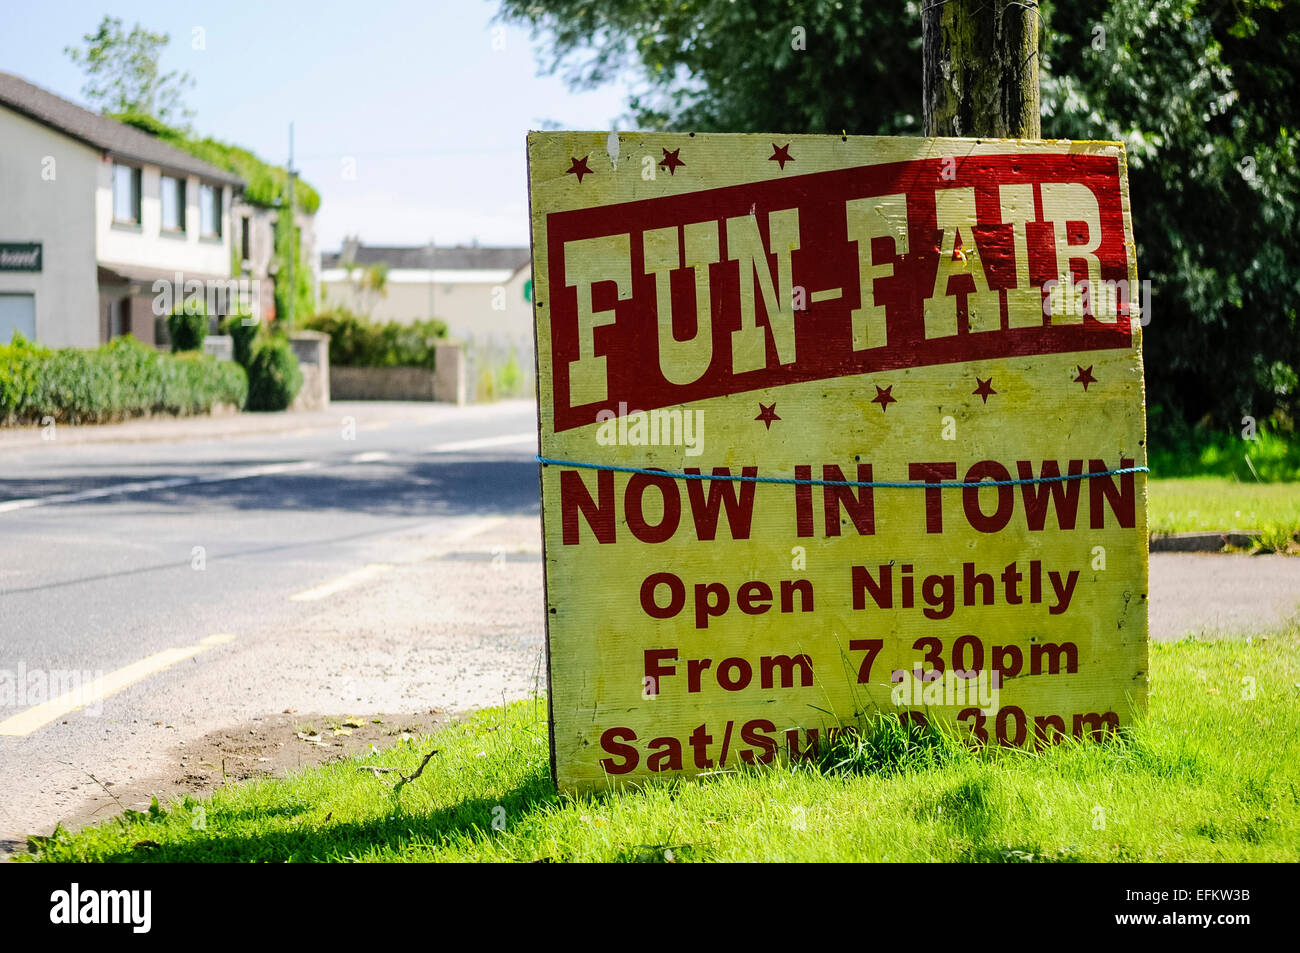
(210, 211)
(119, 318)
(245, 244)
(126, 194)
(173, 204)
(17, 314)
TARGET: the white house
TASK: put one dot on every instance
(92, 213)
(483, 294)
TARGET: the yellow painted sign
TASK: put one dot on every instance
(770, 370)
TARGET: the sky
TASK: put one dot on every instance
(409, 115)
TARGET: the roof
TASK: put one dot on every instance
(422, 276)
(419, 257)
(116, 138)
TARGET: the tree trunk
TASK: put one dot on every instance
(980, 68)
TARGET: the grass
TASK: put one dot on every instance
(1212, 774)
(1266, 456)
(1212, 481)
(1212, 504)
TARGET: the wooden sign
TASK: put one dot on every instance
(770, 369)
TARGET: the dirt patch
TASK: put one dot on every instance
(279, 744)
(267, 747)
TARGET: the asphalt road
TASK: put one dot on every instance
(375, 558)
(344, 563)
(123, 566)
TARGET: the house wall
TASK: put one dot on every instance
(54, 204)
(489, 306)
(261, 250)
(145, 245)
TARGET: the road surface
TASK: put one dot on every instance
(385, 560)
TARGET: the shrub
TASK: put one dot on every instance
(511, 377)
(187, 327)
(274, 377)
(20, 363)
(242, 337)
(1265, 453)
(118, 380)
(358, 342)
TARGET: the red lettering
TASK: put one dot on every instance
(576, 500)
(672, 504)
(970, 498)
(1063, 494)
(1101, 490)
(614, 741)
(676, 595)
(722, 493)
(933, 473)
(860, 507)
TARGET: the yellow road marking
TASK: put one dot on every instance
(38, 716)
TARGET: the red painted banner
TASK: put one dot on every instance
(832, 274)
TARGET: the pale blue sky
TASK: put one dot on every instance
(414, 92)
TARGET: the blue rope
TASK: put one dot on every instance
(871, 483)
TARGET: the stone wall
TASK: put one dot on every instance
(312, 348)
(446, 384)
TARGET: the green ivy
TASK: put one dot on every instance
(268, 184)
(288, 242)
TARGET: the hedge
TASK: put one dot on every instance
(187, 327)
(242, 337)
(358, 342)
(122, 379)
(274, 377)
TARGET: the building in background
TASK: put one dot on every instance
(255, 228)
(93, 212)
(483, 294)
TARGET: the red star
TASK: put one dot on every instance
(671, 161)
(780, 155)
(579, 167)
(1085, 376)
(983, 389)
(884, 398)
(767, 414)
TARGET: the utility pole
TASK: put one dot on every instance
(433, 255)
(293, 244)
(980, 68)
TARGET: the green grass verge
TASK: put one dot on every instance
(1213, 774)
(1217, 503)
(1266, 456)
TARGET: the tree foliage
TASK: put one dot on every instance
(122, 72)
(769, 65)
(1204, 96)
(1202, 92)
